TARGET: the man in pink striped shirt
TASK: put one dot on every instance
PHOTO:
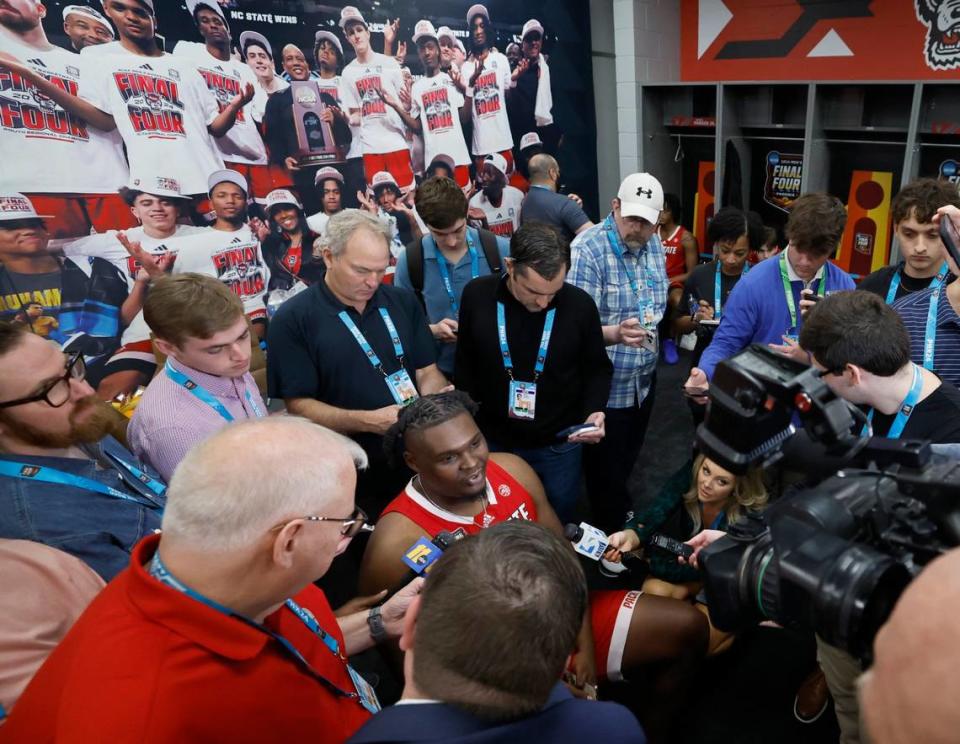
(199, 324)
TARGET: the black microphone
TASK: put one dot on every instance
(423, 554)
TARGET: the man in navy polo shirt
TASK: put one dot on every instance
(450, 255)
(350, 351)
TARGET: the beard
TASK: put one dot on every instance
(90, 421)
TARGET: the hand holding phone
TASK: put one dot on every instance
(672, 546)
(577, 429)
(950, 238)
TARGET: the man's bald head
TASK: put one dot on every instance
(543, 168)
(232, 488)
(909, 695)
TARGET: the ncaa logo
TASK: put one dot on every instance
(503, 490)
(774, 158)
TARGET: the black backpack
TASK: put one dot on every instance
(488, 242)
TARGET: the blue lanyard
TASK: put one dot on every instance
(906, 408)
(544, 341)
(895, 282)
(445, 273)
(206, 396)
(44, 474)
(619, 249)
(365, 345)
(161, 574)
(716, 292)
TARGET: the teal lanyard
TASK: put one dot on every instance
(930, 331)
(541, 352)
(161, 574)
(445, 273)
(206, 396)
(716, 290)
(365, 345)
(906, 408)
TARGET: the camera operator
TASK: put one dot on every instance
(863, 350)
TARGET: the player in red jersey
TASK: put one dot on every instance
(460, 484)
(682, 252)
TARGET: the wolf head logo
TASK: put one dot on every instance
(942, 19)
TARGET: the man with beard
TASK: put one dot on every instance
(242, 147)
(229, 250)
(85, 27)
(64, 480)
(87, 298)
(438, 108)
(499, 202)
(66, 167)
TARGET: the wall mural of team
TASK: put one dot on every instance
(227, 153)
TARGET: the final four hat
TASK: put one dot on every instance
(212, 4)
(328, 36)
(227, 175)
(157, 186)
(381, 179)
(530, 26)
(476, 10)
(327, 173)
(254, 37)
(497, 161)
(641, 195)
(530, 139)
(425, 30)
(349, 13)
(91, 14)
(15, 206)
(281, 196)
(145, 3)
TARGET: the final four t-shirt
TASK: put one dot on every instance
(162, 108)
(381, 128)
(491, 127)
(226, 79)
(44, 149)
(436, 102)
(505, 219)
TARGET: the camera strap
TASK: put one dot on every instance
(906, 409)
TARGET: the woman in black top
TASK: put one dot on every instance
(288, 249)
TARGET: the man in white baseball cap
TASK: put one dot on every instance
(621, 264)
(85, 26)
(531, 102)
(393, 209)
(452, 53)
(499, 202)
(330, 183)
(257, 52)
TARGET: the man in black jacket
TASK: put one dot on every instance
(530, 351)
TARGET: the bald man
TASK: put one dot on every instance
(216, 632)
(910, 693)
(544, 204)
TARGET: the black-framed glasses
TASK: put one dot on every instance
(57, 392)
(352, 526)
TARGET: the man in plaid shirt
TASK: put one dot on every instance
(621, 264)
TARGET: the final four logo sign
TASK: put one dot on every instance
(784, 175)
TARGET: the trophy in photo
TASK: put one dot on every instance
(317, 141)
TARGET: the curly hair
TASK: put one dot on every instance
(749, 494)
(424, 413)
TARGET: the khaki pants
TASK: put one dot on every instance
(842, 671)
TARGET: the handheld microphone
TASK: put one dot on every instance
(423, 554)
(587, 540)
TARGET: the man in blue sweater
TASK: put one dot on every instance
(768, 304)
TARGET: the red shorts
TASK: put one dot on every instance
(519, 182)
(610, 615)
(478, 161)
(263, 178)
(396, 163)
(462, 175)
(73, 215)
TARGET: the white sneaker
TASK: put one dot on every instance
(688, 341)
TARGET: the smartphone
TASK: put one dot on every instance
(695, 392)
(950, 238)
(708, 323)
(578, 429)
(672, 546)
(810, 295)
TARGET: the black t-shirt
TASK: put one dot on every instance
(314, 355)
(935, 419)
(879, 282)
(701, 285)
(577, 371)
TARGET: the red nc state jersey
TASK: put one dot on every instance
(506, 499)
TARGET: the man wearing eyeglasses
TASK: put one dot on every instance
(64, 480)
(216, 631)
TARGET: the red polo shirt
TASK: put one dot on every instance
(146, 663)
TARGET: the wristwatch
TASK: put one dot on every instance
(375, 622)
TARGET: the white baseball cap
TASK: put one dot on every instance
(424, 30)
(383, 178)
(15, 206)
(331, 37)
(281, 196)
(91, 14)
(327, 173)
(350, 13)
(530, 139)
(532, 25)
(147, 3)
(157, 186)
(212, 4)
(445, 32)
(254, 37)
(231, 176)
(442, 159)
(476, 10)
(641, 195)
(497, 161)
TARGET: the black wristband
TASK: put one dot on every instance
(375, 623)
